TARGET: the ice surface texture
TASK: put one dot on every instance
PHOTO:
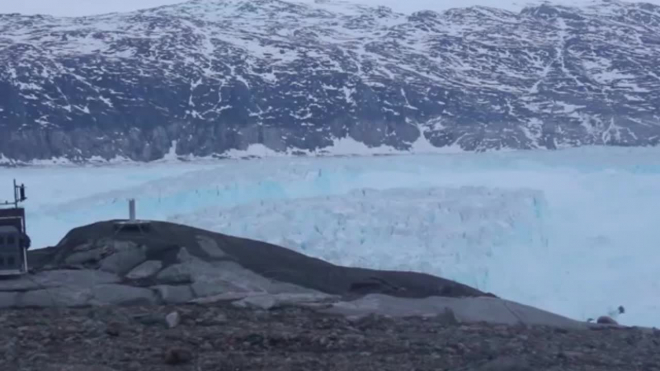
(574, 231)
(434, 231)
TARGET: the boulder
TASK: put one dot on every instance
(86, 256)
(125, 256)
(144, 270)
(173, 319)
(175, 274)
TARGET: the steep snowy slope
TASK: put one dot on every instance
(210, 76)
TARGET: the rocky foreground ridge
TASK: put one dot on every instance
(172, 297)
(109, 263)
(206, 77)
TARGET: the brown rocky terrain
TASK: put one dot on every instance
(223, 337)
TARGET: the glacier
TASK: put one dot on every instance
(573, 231)
(436, 230)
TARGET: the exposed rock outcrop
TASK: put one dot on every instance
(162, 263)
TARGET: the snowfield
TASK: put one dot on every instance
(573, 231)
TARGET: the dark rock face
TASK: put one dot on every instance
(212, 263)
(207, 76)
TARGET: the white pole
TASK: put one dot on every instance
(131, 209)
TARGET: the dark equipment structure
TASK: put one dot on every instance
(14, 241)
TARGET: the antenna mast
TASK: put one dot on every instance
(19, 195)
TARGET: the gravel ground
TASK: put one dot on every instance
(222, 337)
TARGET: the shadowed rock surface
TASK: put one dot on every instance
(164, 248)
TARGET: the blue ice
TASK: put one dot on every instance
(573, 231)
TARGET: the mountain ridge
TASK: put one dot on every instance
(207, 78)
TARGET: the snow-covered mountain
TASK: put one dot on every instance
(208, 77)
